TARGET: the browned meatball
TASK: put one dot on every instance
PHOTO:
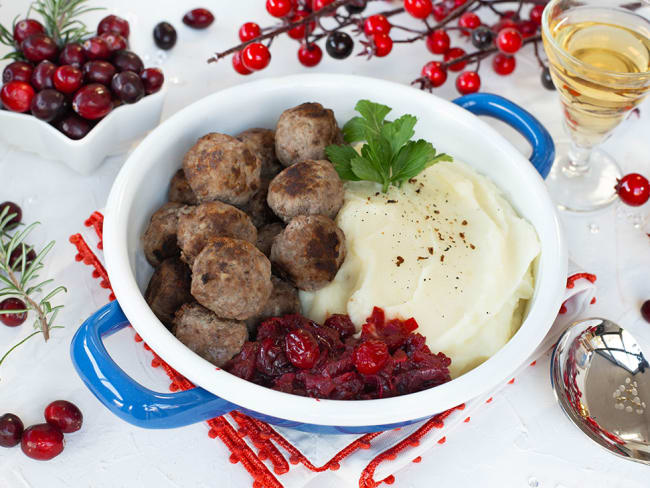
(303, 132)
(168, 289)
(219, 167)
(159, 240)
(232, 278)
(309, 251)
(214, 339)
(257, 207)
(261, 142)
(265, 236)
(284, 300)
(180, 191)
(198, 225)
(306, 188)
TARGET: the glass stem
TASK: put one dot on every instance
(578, 159)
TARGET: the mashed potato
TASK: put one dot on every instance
(447, 249)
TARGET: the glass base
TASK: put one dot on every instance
(583, 191)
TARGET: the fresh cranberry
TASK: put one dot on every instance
(12, 319)
(370, 356)
(536, 14)
(199, 18)
(128, 61)
(17, 96)
(278, 8)
(439, 11)
(248, 31)
(96, 48)
(256, 56)
(645, 310)
(420, 9)
(114, 25)
(468, 82)
(128, 86)
(48, 105)
(503, 64)
(42, 75)
(115, 42)
(383, 45)
(469, 21)
(238, 65)
(509, 40)
(152, 79)
(299, 31)
(16, 256)
(301, 349)
(14, 209)
(73, 126)
(42, 442)
(527, 28)
(11, 430)
(73, 54)
(17, 71)
(435, 73)
(438, 42)
(39, 47)
(342, 324)
(164, 35)
(26, 28)
(453, 53)
(310, 55)
(67, 79)
(92, 101)
(99, 72)
(633, 189)
(376, 24)
(64, 415)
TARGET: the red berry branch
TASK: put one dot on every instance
(445, 25)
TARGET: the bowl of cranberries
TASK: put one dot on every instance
(77, 102)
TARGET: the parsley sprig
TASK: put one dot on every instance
(389, 156)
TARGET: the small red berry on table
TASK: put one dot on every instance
(469, 21)
(435, 73)
(17, 96)
(503, 64)
(645, 310)
(199, 18)
(376, 24)
(383, 45)
(468, 82)
(25, 28)
(309, 55)
(509, 40)
(238, 65)
(453, 53)
(64, 415)
(420, 9)
(536, 14)
(8, 316)
(42, 442)
(248, 31)
(114, 25)
(299, 31)
(256, 56)
(153, 79)
(438, 42)
(11, 430)
(12, 209)
(278, 8)
(633, 189)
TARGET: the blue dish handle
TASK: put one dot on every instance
(121, 394)
(519, 119)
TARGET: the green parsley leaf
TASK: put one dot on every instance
(369, 124)
(341, 157)
(365, 170)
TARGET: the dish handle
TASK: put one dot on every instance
(124, 397)
(519, 119)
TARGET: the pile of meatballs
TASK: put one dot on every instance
(249, 222)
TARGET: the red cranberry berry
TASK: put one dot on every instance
(420, 9)
(152, 79)
(482, 37)
(14, 209)
(503, 23)
(536, 14)
(12, 319)
(298, 32)
(48, 105)
(633, 189)
(114, 25)
(128, 61)
(376, 24)
(64, 415)
(645, 310)
(67, 79)
(42, 442)
(26, 28)
(310, 55)
(278, 8)
(256, 56)
(11, 430)
(73, 126)
(439, 11)
(509, 40)
(370, 356)
(164, 35)
(503, 64)
(339, 45)
(92, 101)
(527, 28)
(199, 18)
(42, 75)
(39, 47)
(453, 53)
(320, 4)
(17, 71)
(238, 65)
(342, 324)
(115, 42)
(383, 45)
(96, 48)
(17, 254)
(248, 31)
(301, 349)
(17, 96)
(468, 82)
(73, 54)
(468, 21)
(98, 72)
(438, 42)
(128, 86)
(435, 73)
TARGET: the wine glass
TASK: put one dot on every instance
(599, 59)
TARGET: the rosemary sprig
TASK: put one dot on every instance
(61, 19)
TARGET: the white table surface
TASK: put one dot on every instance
(518, 440)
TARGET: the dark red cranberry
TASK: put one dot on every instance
(115, 42)
(17, 254)
(128, 61)
(527, 28)
(39, 47)
(199, 18)
(128, 86)
(633, 189)
(98, 72)
(164, 35)
(453, 53)
(370, 356)
(11, 430)
(17, 71)
(238, 65)
(64, 415)
(67, 79)
(26, 28)
(12, 319)
(96, 48)
(153, 79)
(115, 25)
(48, 105)
(645, 310)
(42, 442)
(17, 96)
(342, 324)
(92, 101)
(73, 54)
(42, 76)
(74, 126)
(301, 349)
(12, 209)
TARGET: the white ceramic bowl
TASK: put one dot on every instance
(141, 187)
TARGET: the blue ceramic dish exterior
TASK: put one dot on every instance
(149, 409)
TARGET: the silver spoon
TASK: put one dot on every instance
(601, 378)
